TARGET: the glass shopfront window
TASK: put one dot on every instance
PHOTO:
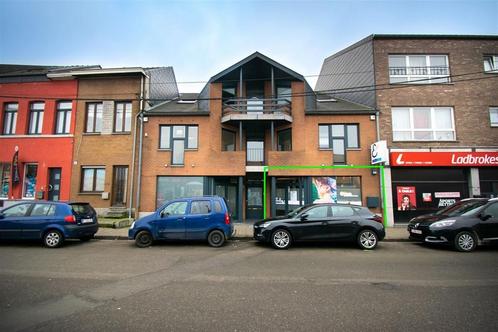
(30, 172)
(172, 187)
(4, 179)
(337, 189)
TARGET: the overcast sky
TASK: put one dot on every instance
(201, 38)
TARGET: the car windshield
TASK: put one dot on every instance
(461, 208)
(296, 211)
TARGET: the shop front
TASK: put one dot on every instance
(424, 182)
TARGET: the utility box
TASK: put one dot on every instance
(372, 202)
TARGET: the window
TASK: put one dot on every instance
(418, 69)
(94, 117)
(122, 117)
(173, 187)
(423, 124)
(30, 173)
(17, 210)
(175, 209)
(217, 207)
(63, 117)
(36, 118)
(200, 207)
(10, 118)
(92, 179)
(491, 210)
(227, 140)
(284, 140)
(493, 116)
(318, 212)
(4, 180)
(338, 137)
(284, 93)
(178, 138)
(491, 63)
(42, 210)
(342, 211)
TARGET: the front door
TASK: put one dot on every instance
(172, 220)
(12, 221)
(54, 183)
(254, 206)
(119, 182)
(488, 229)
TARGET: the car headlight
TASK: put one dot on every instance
(132, 225)
(443, 223)
(266, 224)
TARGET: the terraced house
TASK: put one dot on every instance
(438, 101)
(256, 113)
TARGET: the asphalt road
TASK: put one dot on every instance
(244, 286)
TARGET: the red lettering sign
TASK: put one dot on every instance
(428, 159)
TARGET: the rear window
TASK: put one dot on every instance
(217, 207)
(82, 209)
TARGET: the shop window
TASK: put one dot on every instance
(5, 179)
(423, 124)
(338, 138)
(493, 116)
(36, 118)
(172, 187)
(10, 118)
(340, 189)
(284, 140)
(92, 179)
(178, 139)
(227, 140)
(30, 173)
(122, 117)
(94, 113)
(63, 117)
(491, 63)
(418, 69)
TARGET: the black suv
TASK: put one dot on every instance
(463, 224)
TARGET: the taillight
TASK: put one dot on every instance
(377, 219)
(227, 218)
(70, 218)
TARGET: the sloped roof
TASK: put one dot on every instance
(327, 104)
(186, 104)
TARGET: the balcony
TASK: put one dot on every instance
(422, 75)
(272, 109)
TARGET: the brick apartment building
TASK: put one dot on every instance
(109, 100)
(255, 113)
(438, 102)
(37, 119)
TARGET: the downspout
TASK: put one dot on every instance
(135, 148)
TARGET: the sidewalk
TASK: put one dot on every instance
(244, 231)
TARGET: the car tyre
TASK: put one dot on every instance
(216, 238)
(281, 239)
(53, 239)
(143, 239)
(465, 241)
(367, 239)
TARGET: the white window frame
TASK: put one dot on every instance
(420, 79)
(412, 129)
(24, 181)
(493, 110)
(494, 60)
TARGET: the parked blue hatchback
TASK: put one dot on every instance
(195, 218)
(53, 222)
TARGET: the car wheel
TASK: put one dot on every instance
(367, 239)
(53, 239)
(281, 239)
(465, 241)
(86, 238)
(216, 238)
(143, 239)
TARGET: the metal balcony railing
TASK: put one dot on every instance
(257, 105)
(427, 71)
(255, 155)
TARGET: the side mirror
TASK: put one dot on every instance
(163, 213)
(304, 217)
(485, 217)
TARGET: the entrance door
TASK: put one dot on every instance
(229, 192)
(119, 185)
(54, 184)
(254, 195)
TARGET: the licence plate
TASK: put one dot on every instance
(416, 231)
(86, 221)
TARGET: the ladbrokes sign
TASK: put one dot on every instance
(421, 159)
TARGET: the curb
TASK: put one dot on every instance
(119, 237)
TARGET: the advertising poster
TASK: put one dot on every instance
(406, 198)
(324, 190)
